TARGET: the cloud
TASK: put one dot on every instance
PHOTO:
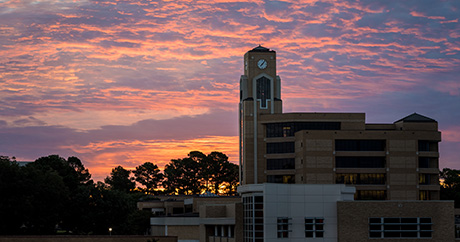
(92, 77)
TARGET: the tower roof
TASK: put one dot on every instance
(417, 118)
(261, 49)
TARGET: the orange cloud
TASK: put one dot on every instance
(101, 157)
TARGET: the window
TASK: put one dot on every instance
(314, 227)
(400, 227)
(263, 91)
(286, 179)
(283, 227)
(360, 145)
(360, 162)
(361, 178)
(424, 179)
(253, 218)
(370, 195)
(427, 145)
(281, 164)
(282, 147)
(424, 195)
(287, 129)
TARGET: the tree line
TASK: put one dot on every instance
(57, 195)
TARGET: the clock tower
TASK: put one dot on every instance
(260, 93)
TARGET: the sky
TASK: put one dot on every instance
(126, 82)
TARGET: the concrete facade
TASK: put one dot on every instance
(202, 218)
(294, 203)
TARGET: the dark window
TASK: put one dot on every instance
(424, 162)
(282, 147)
(283, 227)
(400, 227)
(287, 129)
(286, 179)
(360, 162)
(281, 164)
(263, 91)
(370, 195)
(314, 227)
(424, 179)
(360, 145)
(424, 195)
(253, 218)
(361, 178)
(427, 145)
(178, 210)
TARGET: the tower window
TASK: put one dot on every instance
(263, 91)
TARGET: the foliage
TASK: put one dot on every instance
(149, 176)
(54, 193)
(181, 177)
(199, 172)
(120, 180)
(450, 185)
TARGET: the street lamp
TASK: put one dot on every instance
(110, 231)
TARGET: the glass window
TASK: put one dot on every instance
(427, 145)
(370, 195)
(361, 178)
(314, 227)
(253, 213)
(283, 227)
(360, 162)
(286, 179)
(263, 91)
(281, 164)
(282, 147)
(400, 227)
(424, 195)
(360, 145)
(424, 179)
(287, 129)
(424, 162)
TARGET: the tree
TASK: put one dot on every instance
(199, 172)
(149, 176)
(450, 185)
(223, 173)
(120, 180)
(12, 197)
(76, 179)
(182, 177)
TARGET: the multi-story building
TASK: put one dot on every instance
(397, 161)
(319, 176)
(391, 168)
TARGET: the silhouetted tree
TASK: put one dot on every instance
(181, 177)
(46, 200)
(12, 197)
(198, 172)
(450, 185)
(149, 176)
(120, 180)
(54, 193)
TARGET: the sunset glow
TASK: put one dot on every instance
(125, 82)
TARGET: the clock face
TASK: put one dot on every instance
(262, 64)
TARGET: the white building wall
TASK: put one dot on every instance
(298, 201)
